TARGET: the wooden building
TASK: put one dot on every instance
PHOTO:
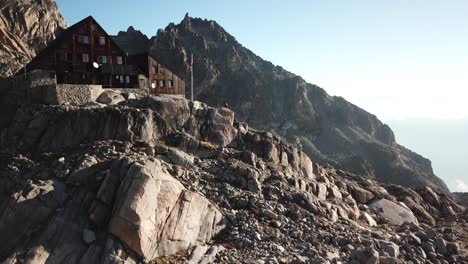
(161, 80)
(74, 54)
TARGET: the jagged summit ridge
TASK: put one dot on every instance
(132, 41)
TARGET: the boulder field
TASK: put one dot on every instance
(165, 180)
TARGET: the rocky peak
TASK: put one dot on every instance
(26, 26)
(132, 41)
(328, 128)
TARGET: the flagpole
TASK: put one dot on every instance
(191, 78)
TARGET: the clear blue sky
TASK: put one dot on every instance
(399, 59)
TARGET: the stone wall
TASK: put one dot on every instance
(7, 105)
(4, 85)
(36, 84)
(40, 87)
(74, 94)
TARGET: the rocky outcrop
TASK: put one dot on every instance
(132, 41)
(156, 216)
(394, 213)
(26, 27)
(329, 129)
(461, 198)
(110, 97)
(162, 179)
(45, 128)
(24, 210)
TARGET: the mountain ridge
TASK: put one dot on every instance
(161, 179)
(329, 128)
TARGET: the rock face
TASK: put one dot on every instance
(461, 198)
(394, 213)
(329, 129)
(26, 26)
(165, 180)
(132, 41)
(110, 97)
(156, 216)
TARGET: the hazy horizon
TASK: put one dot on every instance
(444, 142)
(400, 60)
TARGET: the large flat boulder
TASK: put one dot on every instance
(394, 213)
(156, 216)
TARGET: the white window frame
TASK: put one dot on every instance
(119, 60)
(85, 58)
(102, 41)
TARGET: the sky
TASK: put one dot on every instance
(399, 59)
(445, 142)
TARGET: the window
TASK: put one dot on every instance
(104, 59)
(155, 84)
(170, 84)
(83, 39)
(161, 83)
(85, 58)
(128, 79)
(121, 79)
(102, 41)
(119, 59)
(86, 40)
(83, 76)
(94, 27)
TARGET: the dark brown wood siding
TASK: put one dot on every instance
(164, 80)
(72, 55)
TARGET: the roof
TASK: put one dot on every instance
(65, 34)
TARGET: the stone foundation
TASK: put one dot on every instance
(40, 87)
(74, 94)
